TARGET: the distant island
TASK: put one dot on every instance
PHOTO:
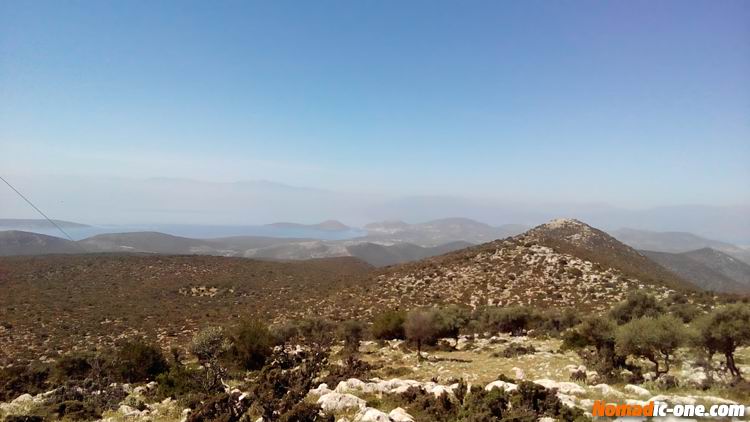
(38, 223)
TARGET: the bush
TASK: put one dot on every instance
(352, 333)
(317, 332)
(137, 361)
(209, 344)
(305, 412)
(451, 320)
(251, 345)
(637, 305)
(71, 367)
(17, 380)
(484, 406)
(515, 349)
(515, 320)
(389, 325)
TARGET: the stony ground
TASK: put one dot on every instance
(477, 360)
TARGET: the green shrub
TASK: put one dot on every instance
(251, 345)
(515, 320)
(317, 332)
(71, 367)
(389, 325)
(136, 361)
(209, 344)
(305, 412)
(351, 332)
(20, 379)
(637, 305)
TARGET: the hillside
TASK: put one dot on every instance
(698, 272)
(723, 264)
(576, 238)
(16, 242)
(74, 302)
(559, 264)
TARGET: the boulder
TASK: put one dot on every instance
(592, 378)
(638, 391)
(399, 415)
(370, 414)
(321, 390)
(333, 402)
(502, 385)
(605, 390)
(518, 373)
(569, 388)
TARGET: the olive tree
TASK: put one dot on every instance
(422, 326)
(654, 339)
(723, 330)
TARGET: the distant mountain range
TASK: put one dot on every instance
(707, 268)
(676, 242)
(706, 263)
(438, 232)
(328, 225)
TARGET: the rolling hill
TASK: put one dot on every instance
(16, 242)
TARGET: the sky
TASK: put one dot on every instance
(634, 104)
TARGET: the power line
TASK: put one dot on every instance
(41, 213)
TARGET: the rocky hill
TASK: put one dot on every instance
(562, 263)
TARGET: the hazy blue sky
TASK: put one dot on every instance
(633, 103)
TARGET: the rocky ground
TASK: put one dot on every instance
(479, 361)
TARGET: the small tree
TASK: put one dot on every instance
(655, 339)
(637, 305)
(209, 346)
(723, 330)
(389, 325)
(351, 332)
(422, 326)
(597, 332)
